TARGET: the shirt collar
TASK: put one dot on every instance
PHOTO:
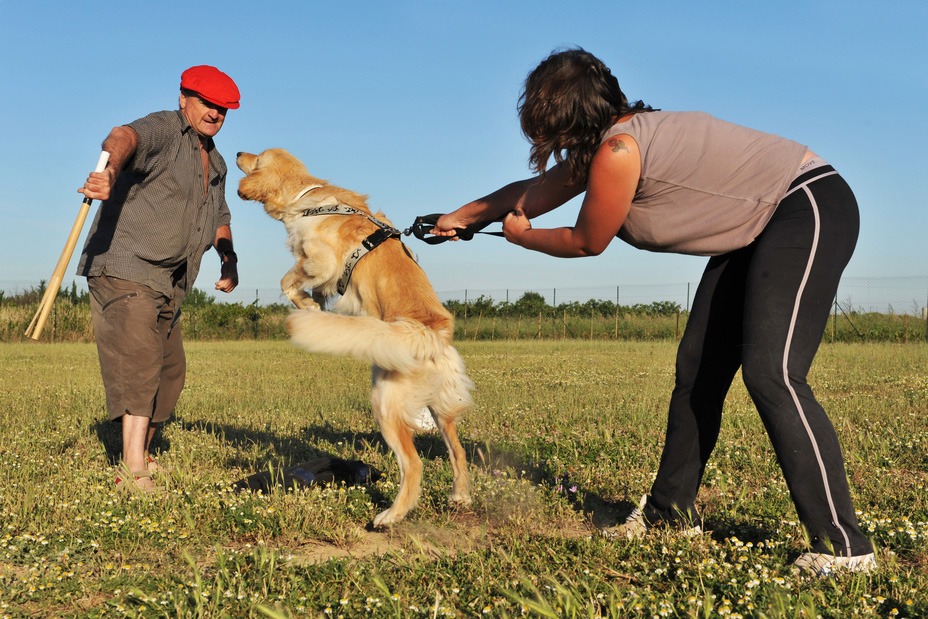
(187, 128)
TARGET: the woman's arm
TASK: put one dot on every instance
(534, 196)
(613, 179)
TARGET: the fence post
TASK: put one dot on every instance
(616, 312)
(256, 315)
(834, 322)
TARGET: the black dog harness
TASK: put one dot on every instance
(373, 240)
(420, 228)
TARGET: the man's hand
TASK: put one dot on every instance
(99, 185)
(228, 278)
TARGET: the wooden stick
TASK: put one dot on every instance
(34, 330)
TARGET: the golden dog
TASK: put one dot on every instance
(388, 314)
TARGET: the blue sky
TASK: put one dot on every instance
(414, 104)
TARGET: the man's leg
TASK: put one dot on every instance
(135, 434)
(125, 316)
(152, 431)
(173, 368)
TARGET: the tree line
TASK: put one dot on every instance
(529, 317)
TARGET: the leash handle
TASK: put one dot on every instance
(424, 223)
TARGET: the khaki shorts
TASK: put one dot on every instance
(140, 347)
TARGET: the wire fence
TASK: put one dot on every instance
(896, 295)
(882, 295)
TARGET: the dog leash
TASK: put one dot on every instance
(424, 223)
(420, 229)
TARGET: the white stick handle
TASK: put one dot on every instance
(54, 284)
(101, 163)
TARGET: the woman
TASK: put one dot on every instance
(780, 226)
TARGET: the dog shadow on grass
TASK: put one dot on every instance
(282, 450)
(278, 450)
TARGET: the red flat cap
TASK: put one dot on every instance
(212, 85)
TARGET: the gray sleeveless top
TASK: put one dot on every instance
(707, 186)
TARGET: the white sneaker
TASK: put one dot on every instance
(423, 420)
(822, 565)
(635, 525)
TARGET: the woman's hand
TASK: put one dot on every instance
(448, 225)
(515, 225)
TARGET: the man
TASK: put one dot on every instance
(163, 207)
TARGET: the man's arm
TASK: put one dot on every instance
(120, 144)
(228, 278)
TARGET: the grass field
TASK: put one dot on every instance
(72, 546)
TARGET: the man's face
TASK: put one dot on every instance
(206, 118)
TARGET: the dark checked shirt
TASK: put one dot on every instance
(158, 223)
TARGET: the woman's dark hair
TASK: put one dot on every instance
(567, 104)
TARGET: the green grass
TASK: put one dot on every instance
(71, 546)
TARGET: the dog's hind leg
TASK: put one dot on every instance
(460, 489)
(450, 399)
(388, 410)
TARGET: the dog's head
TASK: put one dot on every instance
(275, 178)
(280, 182)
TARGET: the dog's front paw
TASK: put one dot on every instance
(307, 303)
(302, 299)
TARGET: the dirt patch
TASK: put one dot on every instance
(425, 539)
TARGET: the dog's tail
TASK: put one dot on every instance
(402, 345)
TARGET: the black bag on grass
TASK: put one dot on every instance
(319, 471)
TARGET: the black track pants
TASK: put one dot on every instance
(764, 308)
